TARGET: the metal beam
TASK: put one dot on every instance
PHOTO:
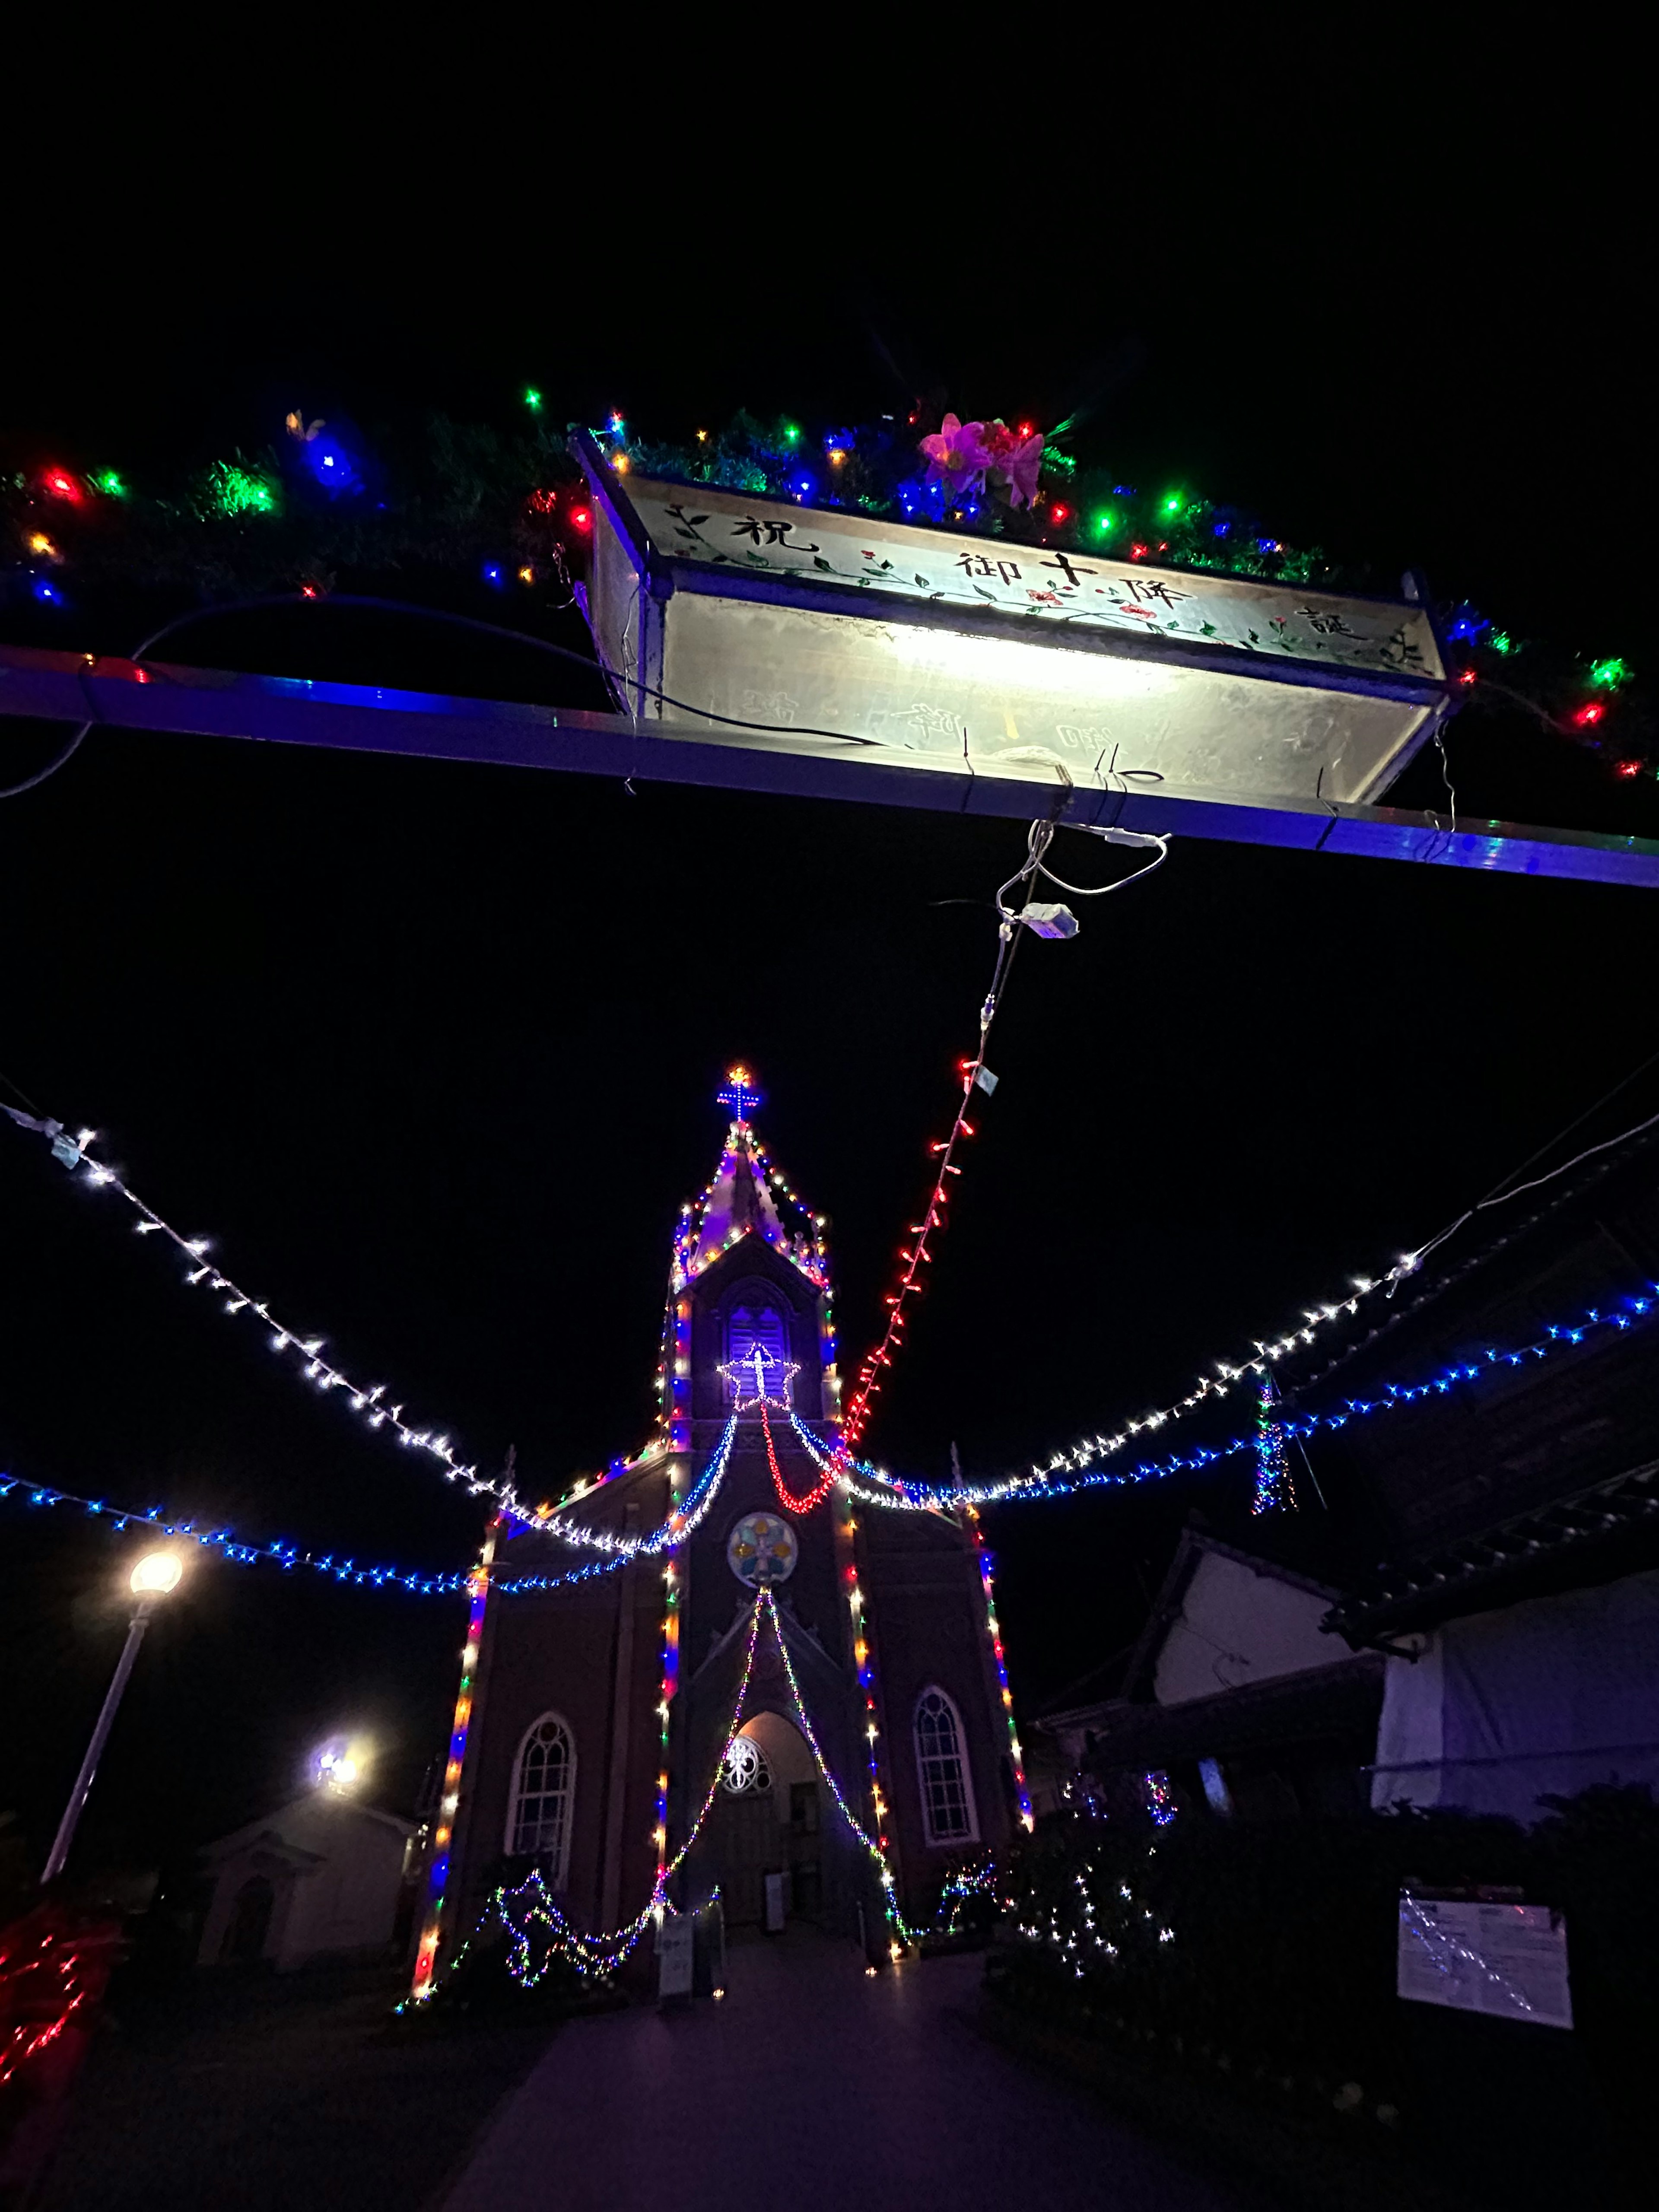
(112, 694)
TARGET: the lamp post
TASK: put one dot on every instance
(155, 1574)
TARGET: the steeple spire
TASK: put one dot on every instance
(747, 1196)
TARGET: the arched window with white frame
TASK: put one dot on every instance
(947, 1791)
(544, 1787)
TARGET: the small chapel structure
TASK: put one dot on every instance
(601, 1710)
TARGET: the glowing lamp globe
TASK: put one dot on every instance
(334, 1768)
(155, 1575)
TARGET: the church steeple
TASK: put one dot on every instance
(747, 1196)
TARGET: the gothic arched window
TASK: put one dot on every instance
(947, 1793)
(543, 1783)
(752, 1326)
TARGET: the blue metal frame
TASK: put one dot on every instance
(71, 687)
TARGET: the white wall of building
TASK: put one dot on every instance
(1237, 1626)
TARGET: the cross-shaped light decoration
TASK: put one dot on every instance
(741, 1092)
(760, 1363)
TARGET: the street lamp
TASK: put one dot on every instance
(155, 1574)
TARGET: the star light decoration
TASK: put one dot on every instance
(761, 1362)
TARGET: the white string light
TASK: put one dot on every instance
(667, 1535)
(369, 1401)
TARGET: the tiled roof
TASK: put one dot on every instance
(1609, 1529)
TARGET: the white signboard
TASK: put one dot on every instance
(774, 1884)
(1506, 1960)
(1049, 586)
(827, 634)
(674, 1958)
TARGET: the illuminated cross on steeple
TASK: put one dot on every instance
(741, 1092)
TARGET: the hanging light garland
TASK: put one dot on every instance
(599, 1953)
(786, 1499)
(426, 1957)
(875, 1846)
(924, 1498)
(369, 1402)
(668, 1536)
(1275, 1491)
(675, 1532)
(1022, 1794)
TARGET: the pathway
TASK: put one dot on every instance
(814, 2086)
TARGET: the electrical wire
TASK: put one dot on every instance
(442, 615)
(29, 782)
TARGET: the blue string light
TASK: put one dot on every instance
(920, 1497)
(281, 1554)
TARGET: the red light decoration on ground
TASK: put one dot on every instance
(1139, 552)
(60, 485)
(579, 518)
(1589, 714)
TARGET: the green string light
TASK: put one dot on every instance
(1105, 523)
(109, 483)
(533, 399)
(1501, 641)
(238, 490)
(1608, 675)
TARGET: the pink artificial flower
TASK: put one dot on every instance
(1021, 467)
(955, 455)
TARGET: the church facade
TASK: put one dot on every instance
(600, 1732)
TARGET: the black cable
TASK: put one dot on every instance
(16, 790)
(519, 636)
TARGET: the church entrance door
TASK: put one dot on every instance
(766, 1821)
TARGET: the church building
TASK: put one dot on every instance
(599, 1736)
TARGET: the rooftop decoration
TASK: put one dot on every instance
(501, 507)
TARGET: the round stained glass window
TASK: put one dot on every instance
(746, 1772)
(761, 1550)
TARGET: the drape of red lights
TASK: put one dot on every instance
(786, 1496)
(914, 1256)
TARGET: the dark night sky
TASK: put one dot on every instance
(431, 1050)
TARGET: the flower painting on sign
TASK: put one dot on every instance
(827, 546)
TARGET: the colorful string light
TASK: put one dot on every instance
(875, 1846)
(1022, 1793)
(864, 1662)
(1275, 1491)
(669, 1535)
(426, 1957)
(600, 1952)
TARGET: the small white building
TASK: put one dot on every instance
(322, 1878)
(1235, 1690)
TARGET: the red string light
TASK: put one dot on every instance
(912, 1258)
(791, 1504)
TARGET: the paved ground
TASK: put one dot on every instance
(277, 2092)
(812, 2086)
